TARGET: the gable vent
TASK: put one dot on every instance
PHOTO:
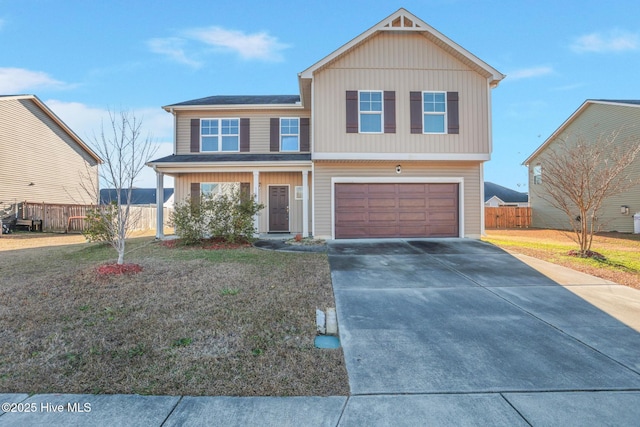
(401, 22)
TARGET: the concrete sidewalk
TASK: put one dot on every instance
(621, 302)
(594, 380)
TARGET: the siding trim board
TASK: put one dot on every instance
(407, 180)
(475, 157)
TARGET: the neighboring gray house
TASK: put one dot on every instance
(41, 158)
(594, 118)
(496, 195)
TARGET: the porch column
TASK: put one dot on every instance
(256, 197)
(305, 203)
(159, 205)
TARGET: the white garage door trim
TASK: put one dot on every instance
(403, 180)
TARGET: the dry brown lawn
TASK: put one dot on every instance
(622, 251)
(193, 322)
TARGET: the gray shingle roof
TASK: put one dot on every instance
(206, 158)
(139, 196)
(242, 100)
(503, 193)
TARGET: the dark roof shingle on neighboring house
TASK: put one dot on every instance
(505, 194)
(242, 100)
(139, 196)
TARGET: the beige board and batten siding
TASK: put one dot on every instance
(34, 149)
(400, 62)
(594, 121)
(292, 179)
(469, 172)
(259, 125)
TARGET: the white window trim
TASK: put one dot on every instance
(290, 134)
(219, 119)
(299, 190)
(381, 113)
(424, 131)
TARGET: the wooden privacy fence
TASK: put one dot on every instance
(507, 217)
(71, 218)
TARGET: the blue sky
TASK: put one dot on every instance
(83, 58)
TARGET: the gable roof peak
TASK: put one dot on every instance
(405, 21)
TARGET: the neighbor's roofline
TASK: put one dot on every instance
(58, 121)
(385, 25)
(571, 118)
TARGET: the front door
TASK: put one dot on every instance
(279, 208)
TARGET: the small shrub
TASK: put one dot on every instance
(188, 220)
(228, 217)
(101, 223)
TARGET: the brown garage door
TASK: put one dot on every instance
(396, 210)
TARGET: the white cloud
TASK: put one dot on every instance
(20, 80)
(260, 46)
(613, 41)
(173, 48)
(526, 73)
(196, 43)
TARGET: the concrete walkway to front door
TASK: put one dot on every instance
(458, 329)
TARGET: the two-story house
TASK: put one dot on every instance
(387, 139)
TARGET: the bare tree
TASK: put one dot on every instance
(579, 174)
(125, 151)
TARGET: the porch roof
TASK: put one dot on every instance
(235, 157)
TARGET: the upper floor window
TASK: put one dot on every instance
(220, 135)
(370, 109)
(434, 110)
(289, 134)
(537, 174)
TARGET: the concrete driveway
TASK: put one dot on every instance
(458, 329)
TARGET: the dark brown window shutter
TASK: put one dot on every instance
(195, 135)
(244, 135)
(415, 99)
(304, 134)
(274, 135)
(453, 120)
(195, 193)
(352, 111)
(389, 111)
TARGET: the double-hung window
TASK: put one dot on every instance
(370, 111)
(289, 134)
(220, 135)
(537, 174)
(434, 112)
